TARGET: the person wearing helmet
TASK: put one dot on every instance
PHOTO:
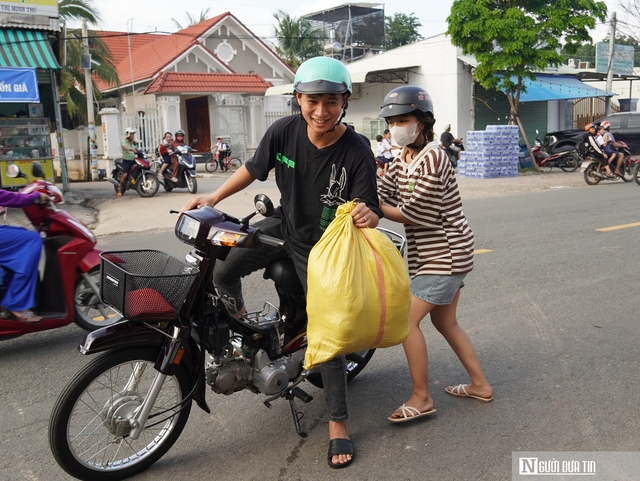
(319, 163)
(178, 141)
(609, 146)
(128, 156)
(593, 148)
(420, 191)
(19, 257)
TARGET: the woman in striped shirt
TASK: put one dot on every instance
(420, 191)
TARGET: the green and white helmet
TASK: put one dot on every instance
(322, 75)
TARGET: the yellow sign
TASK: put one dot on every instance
(30, 7)
(25, 168)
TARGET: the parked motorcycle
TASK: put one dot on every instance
(125, 409)
(564, 156)
(594, 170)
(453, 156)
(141, 177)
(69, 288)
(186, 174)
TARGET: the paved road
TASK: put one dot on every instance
(553, 317)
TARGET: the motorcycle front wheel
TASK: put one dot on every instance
(355, 364)
(147, 185)
(627, 171)
(636, 168)
(192, 183)
(590, 176)
(88, 429)
(90, 312)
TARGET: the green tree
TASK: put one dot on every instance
(296, 39)
(401, 29)
(192, 19)
(513, 39)
(72, 79)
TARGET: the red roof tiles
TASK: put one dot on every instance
(176, 82)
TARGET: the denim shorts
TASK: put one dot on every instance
(436, 289)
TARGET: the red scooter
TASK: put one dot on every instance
(565, 157)
(69, 287)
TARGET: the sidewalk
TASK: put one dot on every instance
(96, 204)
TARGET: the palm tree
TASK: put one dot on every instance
(72, 83)
(193, 20)
(296, 39)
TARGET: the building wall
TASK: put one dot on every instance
(192, 63)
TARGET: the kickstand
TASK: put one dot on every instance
(297, 415)
(290, 394)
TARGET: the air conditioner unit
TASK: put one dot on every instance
(584, 65)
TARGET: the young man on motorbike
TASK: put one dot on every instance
(128, 156)
(319, 163)
(593, 149)
(448, 142)
(19, 256)
(608, 147)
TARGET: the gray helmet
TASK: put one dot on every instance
(406, 100)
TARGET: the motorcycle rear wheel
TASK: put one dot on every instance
(590, 176)
(572, 164)
(83, 421)
(89, 307)
(148, 188)
(356, 362)
(636, 168)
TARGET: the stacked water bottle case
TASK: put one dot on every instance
(490, 153)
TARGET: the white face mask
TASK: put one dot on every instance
(402, 136)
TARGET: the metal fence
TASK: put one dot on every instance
(149, 133)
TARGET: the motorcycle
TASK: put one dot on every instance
(594, 171)
(124, 410)
(564, 156)
(69, 288)
(186, 174)
(141, 176)
(453, 156)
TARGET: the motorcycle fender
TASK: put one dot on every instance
(91, 260)
(586, 164)
(191, 172)
(123, 334)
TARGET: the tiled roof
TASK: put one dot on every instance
(118, 42)
(176, 82)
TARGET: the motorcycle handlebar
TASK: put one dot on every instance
(272, 241)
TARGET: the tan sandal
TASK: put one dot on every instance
(27, 316)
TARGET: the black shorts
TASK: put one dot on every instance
(127, 165)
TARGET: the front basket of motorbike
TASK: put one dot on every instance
(145, 285)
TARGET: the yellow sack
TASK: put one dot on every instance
(358, 291)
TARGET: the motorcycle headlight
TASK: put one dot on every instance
(187, 229)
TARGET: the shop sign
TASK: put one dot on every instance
(48, 8)
(18, 85)
(25, 168)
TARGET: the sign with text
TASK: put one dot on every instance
(566, 465)
(48, 8)
(25, 167)
(18, 85)
(622, 58)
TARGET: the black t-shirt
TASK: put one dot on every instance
(312, 181)
(446, 138)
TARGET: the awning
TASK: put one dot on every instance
(26, 48)
(558, 87)
(286, 89)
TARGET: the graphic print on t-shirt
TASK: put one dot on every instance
(333, 197)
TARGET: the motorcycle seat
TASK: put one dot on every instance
(283, 273)
(563, 148)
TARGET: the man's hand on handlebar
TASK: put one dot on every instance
(196, 203)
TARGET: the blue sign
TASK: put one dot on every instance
(623, 56)
(18, 85)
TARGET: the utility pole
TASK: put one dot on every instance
(612, 45)
(89, 92)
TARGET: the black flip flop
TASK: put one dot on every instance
(340, 446)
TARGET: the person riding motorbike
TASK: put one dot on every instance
(19, 257)
(319, 162)
(177, 141)
(164, 153)
(608, 147)
(593, 149)
(449, 142)
(128, 155)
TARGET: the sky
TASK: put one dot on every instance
(156, 15)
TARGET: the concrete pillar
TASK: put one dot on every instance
(169, 112)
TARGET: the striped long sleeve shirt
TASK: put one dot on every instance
(426, 191)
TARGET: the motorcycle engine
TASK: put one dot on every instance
(229, 376)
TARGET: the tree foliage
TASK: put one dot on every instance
(192, 19)
(296, 39)
(72, 78)
(630, 26)
(401, 29)
(513, 39)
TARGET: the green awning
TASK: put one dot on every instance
(26, 48)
